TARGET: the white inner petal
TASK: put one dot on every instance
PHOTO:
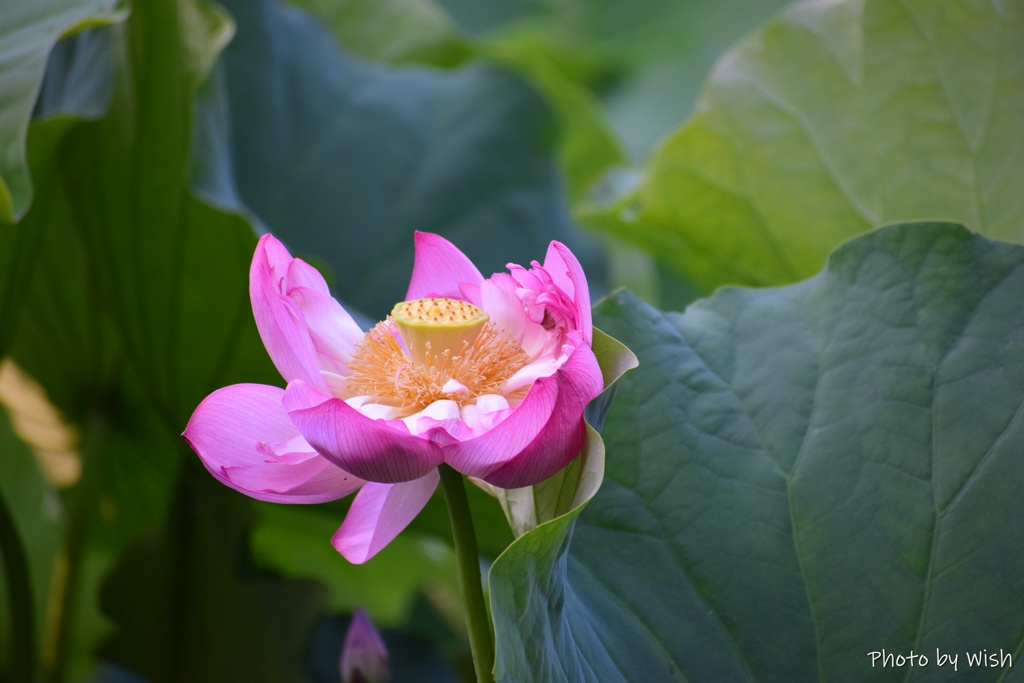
(530, 373)
(438, 410)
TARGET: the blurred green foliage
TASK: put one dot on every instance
(831, 120)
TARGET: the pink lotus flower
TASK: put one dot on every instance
(490, 376)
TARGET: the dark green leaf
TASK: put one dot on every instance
(76, 88)
(344, 159)
(28, 31)
(797, 477)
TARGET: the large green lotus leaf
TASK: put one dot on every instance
(28, 31)
(344, 159)
(834, 119)
(421, 31)
(797, 477)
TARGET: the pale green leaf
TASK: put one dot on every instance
(834, 119)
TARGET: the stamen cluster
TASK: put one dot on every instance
(382, 368)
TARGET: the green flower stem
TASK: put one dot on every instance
(19, 596)
(481, 642)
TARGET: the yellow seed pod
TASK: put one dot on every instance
(430, 327)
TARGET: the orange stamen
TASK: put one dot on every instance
(381, 368)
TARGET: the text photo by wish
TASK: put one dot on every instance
(970, 659)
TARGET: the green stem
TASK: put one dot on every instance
(467, 557)
(19, 595)
(81, 511)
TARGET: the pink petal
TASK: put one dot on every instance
(498, 298)
(379, 513)
(334, 332)
(541, 435)
(231, 430)
(568, 275)
(331, 329)
(440, 269)
(281, 324)
(300, 274)
(274, 254)
(373, 449)
(266, 478)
